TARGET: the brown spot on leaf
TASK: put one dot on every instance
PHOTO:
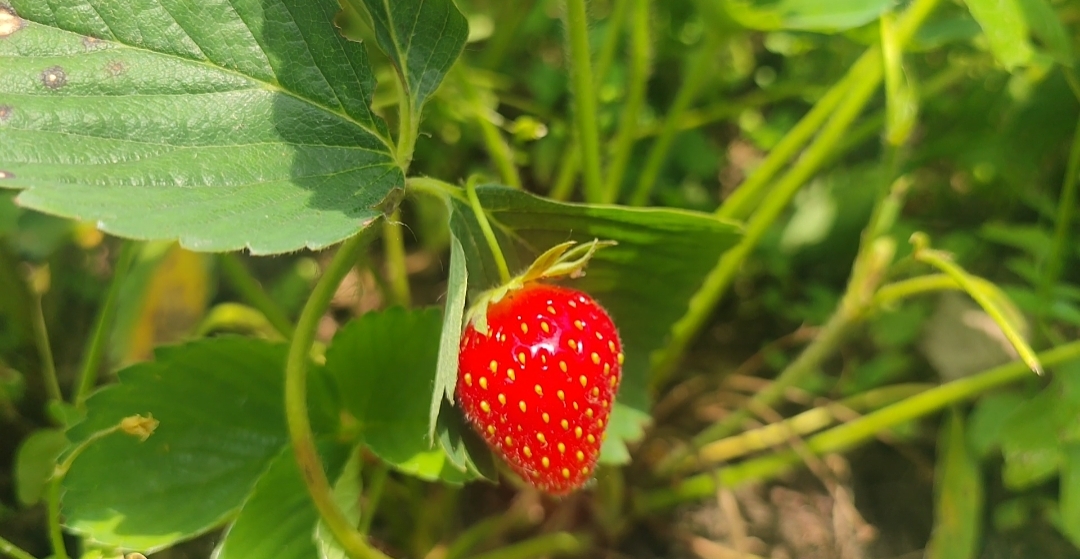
(5, 112)
(115, 68)
(90, 42)
(7, 175)
(9, 22)
(54, 77)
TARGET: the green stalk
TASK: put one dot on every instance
(585, 111)
(252, 292)
(394, 249)
(849, 435)
(754, 188)
(717, 282)
(1062, 226)
(296, 409)
(38, 286)
(13, 551)
(640, 70)
(374, 495)
(498, 149)
(99, 338)
(866, 77)
(570, 162)
(559, 543)
(489, 234)
(56, 529)
(944, 262)
(803, 424)
(696, 74)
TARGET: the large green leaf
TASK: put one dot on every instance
(814, 15)
(1029, 443)
(279, 520)
(423, 38)
(219, 403)
(645, 282)
(224, 124)
(384, 364)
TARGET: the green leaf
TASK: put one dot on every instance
(225, 125)
(35, 461)
(384, 364)
(1006, 30)
(1069, 499)
(219, 403)
(423, 38)
(645, 282)
(347, 496)
(987, 420)
(1047, 26)
(959, 508)
(626, 424)
(450, 339)
(1029, 443)
(811, 15)
(278, 520)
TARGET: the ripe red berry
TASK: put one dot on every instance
(540, 384)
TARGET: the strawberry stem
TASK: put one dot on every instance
(489, 234)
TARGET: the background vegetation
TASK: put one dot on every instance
(868, 247)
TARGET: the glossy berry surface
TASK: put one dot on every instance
(540, 385)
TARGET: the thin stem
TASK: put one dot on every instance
(489, 234)
(717, 282)
(827, 340)
(849, 435)
(296, 409)
(252, 293)
(498, 149)
(890, 294)
(696, 74)
(374, 495)
(1063, 225)
(743, 200)
(803, 424)
(570, 162)
(56, 529)
(981, 295)
(99, 338)
(38, 286)
(585, 111)
(867, 76)
(640, 69)
(13, 551)
(394, 249)
(559, 543)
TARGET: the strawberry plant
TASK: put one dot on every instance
(449, 278)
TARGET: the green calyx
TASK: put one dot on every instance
(562, 260)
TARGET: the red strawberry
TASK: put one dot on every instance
(539, 385)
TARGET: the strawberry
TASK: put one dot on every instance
(537, 379)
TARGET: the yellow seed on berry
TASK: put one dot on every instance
(483, 383)
(545, 462)
(485, 406)
(521, 405)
